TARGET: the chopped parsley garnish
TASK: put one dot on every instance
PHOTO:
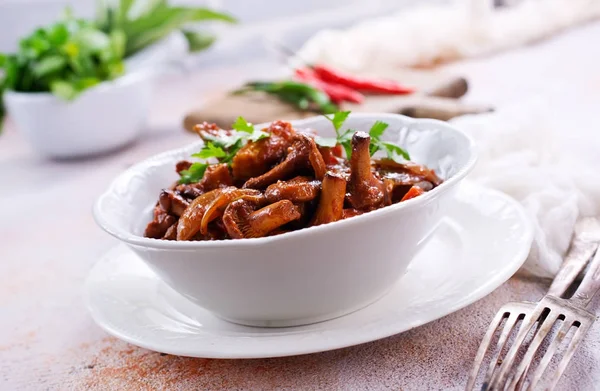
(344, 138)
(222, 148)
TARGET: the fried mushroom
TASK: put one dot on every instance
(410, 169)
(191, 219)
(303, 154)
(216, 208)
(216, 176)
(255, 158)
(331, 203)
(242, 221)
(298, 189)
(162, 221)
(365, 190)
(172, 202)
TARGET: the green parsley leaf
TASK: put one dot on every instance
(377, 130)
(393, 151)
(193, 174)
(373, 147)
(346, 136)
(63, 89)
(326, 141)
(241, 125)
(232, 151)
(258, 135)
(338, 120)
(49, 65)
(197, 40)
(224, 142)
(346, 141)
(210, 151)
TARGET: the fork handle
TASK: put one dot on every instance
(579, 254)
(589, 285)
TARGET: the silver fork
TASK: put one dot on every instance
(550, 309)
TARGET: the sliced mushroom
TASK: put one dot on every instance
(191, 219)
(331, 203)
(216, 176)
(241, 221)
(366, 191)
(302, 154)
(298, 189)
(412, 170)
(227, 196)
(315, 158)
(172, 202)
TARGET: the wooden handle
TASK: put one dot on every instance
(441, 108)
(455, 88)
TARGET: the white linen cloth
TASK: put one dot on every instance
(432, 33)
(519, 154)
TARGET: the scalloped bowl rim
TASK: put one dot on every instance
(133, 239)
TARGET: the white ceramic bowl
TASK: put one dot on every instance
(304, 276)
(101, 119)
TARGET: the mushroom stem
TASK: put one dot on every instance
(331, 204)
(366, 191)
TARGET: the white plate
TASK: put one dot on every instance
(483, 242)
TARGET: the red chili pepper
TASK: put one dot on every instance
(414, 191)
(362, 84)
(337, 93)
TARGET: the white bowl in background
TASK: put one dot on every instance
(305, 276)
(101, 119)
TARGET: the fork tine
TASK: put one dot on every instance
(512, 312)
(579, 334)
(508, 328)
(522, 378)
(547, 358)
(499, 377)
(544, 328)
(485, 343)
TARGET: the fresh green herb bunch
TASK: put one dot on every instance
(72, 55)
(146, 22)
(64, 58)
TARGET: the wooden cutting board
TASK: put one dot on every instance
(437, 96)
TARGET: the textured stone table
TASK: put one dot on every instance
(48, 242)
